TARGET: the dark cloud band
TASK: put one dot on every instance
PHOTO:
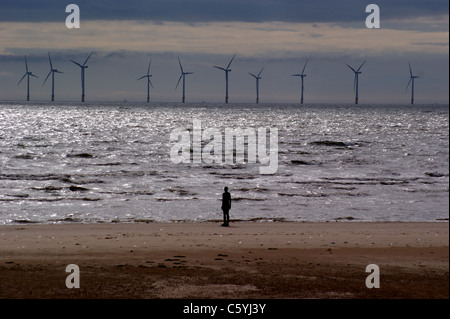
(219, 10)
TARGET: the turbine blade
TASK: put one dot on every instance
(179, 81)
(410, 70)
(149, 64)
(296, 75)
(76, 63)
(260, 72)
(187, 73)
(229, 64)
(47, 77)
(218, 67)
(252, 75)
(34, 75)
(304, 67)
(410, 80)
(144, 76)
(181, 67)
(361, 66)
(22, 78)
(351, 68)
(59, 72)
(26, 64)
(50, 60)
(150, 83)
(87, 58)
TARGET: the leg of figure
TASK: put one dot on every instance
(227, 214)
(224, 218)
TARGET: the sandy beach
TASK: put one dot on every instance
(247, 260)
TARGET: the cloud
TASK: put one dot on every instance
(7, 74)
(220, 10)
(275, 39)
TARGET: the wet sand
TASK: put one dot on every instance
(248, 260)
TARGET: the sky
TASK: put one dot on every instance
(279, 35)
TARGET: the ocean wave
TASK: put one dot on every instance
(238, 199)
(35, 177)
(234, 176)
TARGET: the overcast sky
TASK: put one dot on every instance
(276, 34)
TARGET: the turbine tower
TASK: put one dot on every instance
(411, 81)
(27, 74)
(183, 75)
(148, 76)
(227, 70)
(52, 72)
(356, 81)
(83, 67)
(257, 77)
(302, 75)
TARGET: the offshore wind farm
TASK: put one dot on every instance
(182, 79)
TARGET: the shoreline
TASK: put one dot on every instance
(201, 260)
(70, 221)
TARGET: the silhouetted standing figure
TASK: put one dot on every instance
(226, 205)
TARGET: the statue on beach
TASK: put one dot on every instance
(226, 205)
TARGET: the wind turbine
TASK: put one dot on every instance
(227, 70)
(27, 74)
(148, 76)
(183, 75)
(356, 81)
(52, 72)
(83, 67)
(257, 77)
(302, 75)
(411, 81)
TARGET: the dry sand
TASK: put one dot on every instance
(247, 260)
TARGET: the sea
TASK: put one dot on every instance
(112, 162)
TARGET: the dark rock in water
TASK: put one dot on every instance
(18, 195)
(147, 221)
(25, 156)
(434, 174)
(299, 162)
(81, 155)
(51, 188)
(346, 218)
(70, 219)
(329, 143)
(74, 188)
(24, 221)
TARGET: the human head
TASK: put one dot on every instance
(226, 189)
